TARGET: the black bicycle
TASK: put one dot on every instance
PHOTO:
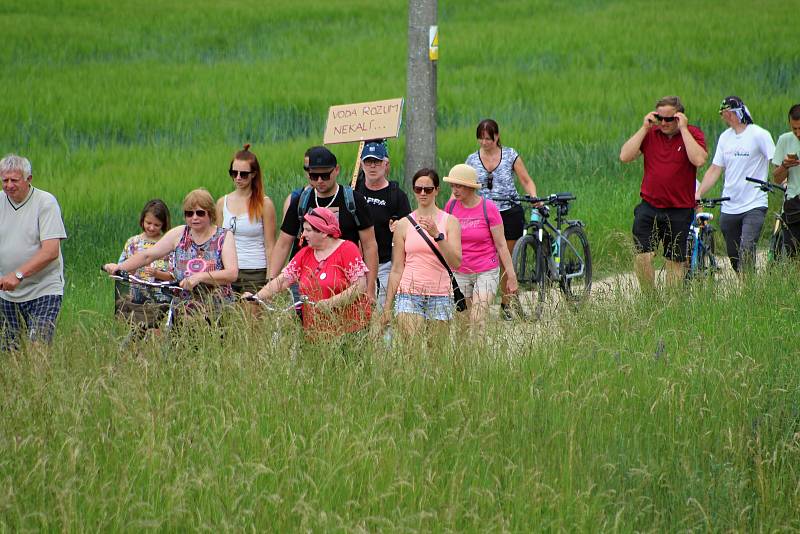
(778, 241)
(161, 309)
(703, 261)
(546, 255)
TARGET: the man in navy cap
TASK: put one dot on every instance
(386, 202)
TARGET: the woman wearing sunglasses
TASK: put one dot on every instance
(250, 215)
(204, 258)
(496, 166)
(419, 285)
(331, 274)
(483, 244)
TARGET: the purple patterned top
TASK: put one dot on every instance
(190, 258)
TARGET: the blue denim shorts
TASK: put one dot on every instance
(431, 307)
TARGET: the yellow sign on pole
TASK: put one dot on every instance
(433, 43)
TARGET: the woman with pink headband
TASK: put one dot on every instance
(331, 273)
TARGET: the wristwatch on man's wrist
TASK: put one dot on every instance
(19, 275)
(439, 237)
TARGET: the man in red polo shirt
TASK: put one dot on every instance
(673, 150)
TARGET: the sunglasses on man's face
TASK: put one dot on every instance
(191, 213)
(660, 118)
(319, 176)
(419, 189)
(243, 174)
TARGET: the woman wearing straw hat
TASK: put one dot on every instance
(483, 244)
(496, 166)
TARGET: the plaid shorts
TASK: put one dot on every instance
(39, 316)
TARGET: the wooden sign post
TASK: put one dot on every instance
(362, 122)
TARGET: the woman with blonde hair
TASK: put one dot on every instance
(203, 253)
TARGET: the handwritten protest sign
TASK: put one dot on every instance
(368, 120)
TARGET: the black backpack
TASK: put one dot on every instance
(394, 187)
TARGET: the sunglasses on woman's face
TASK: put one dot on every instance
(243, 174)
(419, 189)
(191, 213)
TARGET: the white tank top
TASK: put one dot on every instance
(249, 238)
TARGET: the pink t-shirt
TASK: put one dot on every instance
(478, 253)
(423, 273)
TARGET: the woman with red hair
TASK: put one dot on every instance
(250, 215)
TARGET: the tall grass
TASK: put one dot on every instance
(645, 415)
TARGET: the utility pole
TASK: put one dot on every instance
(420, 105)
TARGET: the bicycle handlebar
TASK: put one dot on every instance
(711, 202)
(125, 276)
(768, 187)
(253, 298)
(555, 198)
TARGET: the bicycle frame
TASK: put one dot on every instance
(701, 226)
(699, 231)
(780, 222)
(175, 292)
(555, 237)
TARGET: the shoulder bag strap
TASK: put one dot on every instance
(435, 250)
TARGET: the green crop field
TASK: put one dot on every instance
(637, 412)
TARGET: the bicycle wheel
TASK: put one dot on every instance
(692, 259)
(707, 261)
(575, 272)
(529, 261)
(777, 245)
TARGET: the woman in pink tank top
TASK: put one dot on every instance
(419, 286)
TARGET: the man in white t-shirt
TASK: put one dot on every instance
(787, 169)
(743, 151)
(31, 267)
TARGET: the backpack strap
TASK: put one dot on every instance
(393, 187)
(302, 207)
(350, 203)
(451, 205)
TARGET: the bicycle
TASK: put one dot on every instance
(173, 292)
(778, 247)
(700, 242)
(545, 255)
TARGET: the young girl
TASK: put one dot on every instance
(154, 221)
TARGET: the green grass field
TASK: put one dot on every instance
(676, 412)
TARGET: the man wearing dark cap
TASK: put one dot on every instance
(355, 220)
(672, 150)
(387, 204)
(743, 151)
(787, 171)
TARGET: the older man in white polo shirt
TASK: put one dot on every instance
(31, 266)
